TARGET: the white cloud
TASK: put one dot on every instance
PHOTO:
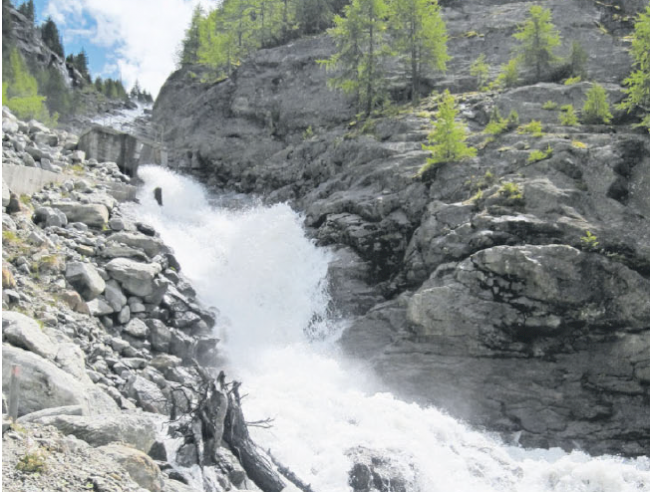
(143, 34)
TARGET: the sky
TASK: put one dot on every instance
(127, 39)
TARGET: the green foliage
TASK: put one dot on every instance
(568, 116)
(511, 191)
(27, 9)
(480, 70)
(596, 108)
(540, 155)
(312, 16)
(32, 462)
(51, 37)
(573, 80)
(189, 53)
(59, 98)
(20, 91)
(308, 133)
(549, 105)
(509, 74)
(538, 38)
(421, 37)
(448, 137)
(139, 94)
(589, 242)
(638, 83)
(360, 49)
(578, 60)
(533, 128)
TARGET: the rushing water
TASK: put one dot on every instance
(269, 283)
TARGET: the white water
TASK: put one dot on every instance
(269, 283)
(123, 119)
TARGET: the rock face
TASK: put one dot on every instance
(498, 308)
(22, 331)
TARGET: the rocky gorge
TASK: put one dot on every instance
(513, 294)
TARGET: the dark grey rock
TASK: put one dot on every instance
(85, 279)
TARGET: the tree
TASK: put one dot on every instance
(578, 60)
(99, 85)
(568, 116)
(136, 92)
(638, 83)
(190, 43)
(20, 91)
(27, 9)
(480, 70)
(58, 96)
(313, 16)
(596, 108)
(421, 36)
(360, 50)
(509, 73)
(51, 37)
(538, 38)
(448, 137)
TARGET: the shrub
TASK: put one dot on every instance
(480, 70)
(589, 242)
(568, 116)
(573, 80)
(578, 144)
(549, 105)
(308, 133)
(533, 128)
(540, 155)
(596, 108)
(509, 74)
(32, 462)
(511, 191)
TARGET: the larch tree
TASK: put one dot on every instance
(190, 43)
(596, 107)
(447, 140)
(538, 38)
(421, 37)
(638, 83)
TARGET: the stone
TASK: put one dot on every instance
(78, 156)
(52, 412)
(72, 360)
(150, 245)
(75, 301)
(99, 307)
(124, 315)
(44, 385)
(140, 467)
(28, 160)
(93, 215)
(136, 278)
(48, 217)
(24, 332)
(136, 328)
(147, 394)
(134, 429)
(114, 296)
(160, 335)
(116, 224)
(85, 279)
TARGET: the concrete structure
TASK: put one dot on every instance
(108, 145)
(24, 180)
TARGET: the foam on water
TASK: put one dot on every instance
(269, 283)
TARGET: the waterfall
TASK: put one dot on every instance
(268, 281)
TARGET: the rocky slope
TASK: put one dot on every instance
(117, 389)
(488, 300)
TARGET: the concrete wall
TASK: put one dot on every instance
(24, 180)
(109, 145)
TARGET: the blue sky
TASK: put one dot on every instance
(127, 39)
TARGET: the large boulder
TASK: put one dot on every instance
(24, 332)
(142, 469)
(44, 385)
(147, 394)
(137, 278)
(85, 279)
(135, 429)
(94, 215)
(150, 245)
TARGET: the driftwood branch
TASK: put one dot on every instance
(289, 475)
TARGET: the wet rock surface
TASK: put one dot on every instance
(499, 309)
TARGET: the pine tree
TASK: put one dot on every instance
(596, 108)
(190, 44)
(538, 38)
(578, 60)
(27, 9)
(421, 36)
(509, 73)
(480, 70)
(638, 83)
(99, 85)
(448, 137)
(313, 16)
(51, 37)
(136, 92)
(361, 47)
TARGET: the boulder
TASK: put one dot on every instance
(93, 215)
(48, 216)
(114, 296)
(52, 412)
(137, 278)
(44, 385)
(150, 245)
(99, 307)
(142, 469)
(147, 394)
(134, 429)
(74, 300)
(160, 335)
(136, 328)
(85, 279)
(24, 332)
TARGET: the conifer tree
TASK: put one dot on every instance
(190, 44)
(99, 85)
(578, 60)
(313, 16)
(51, 37)
(27, 9)
(359, 36)
(448, 137)
(421, 37)
(638, 83)
(538, 38)
(596, 108)
(480, 70)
